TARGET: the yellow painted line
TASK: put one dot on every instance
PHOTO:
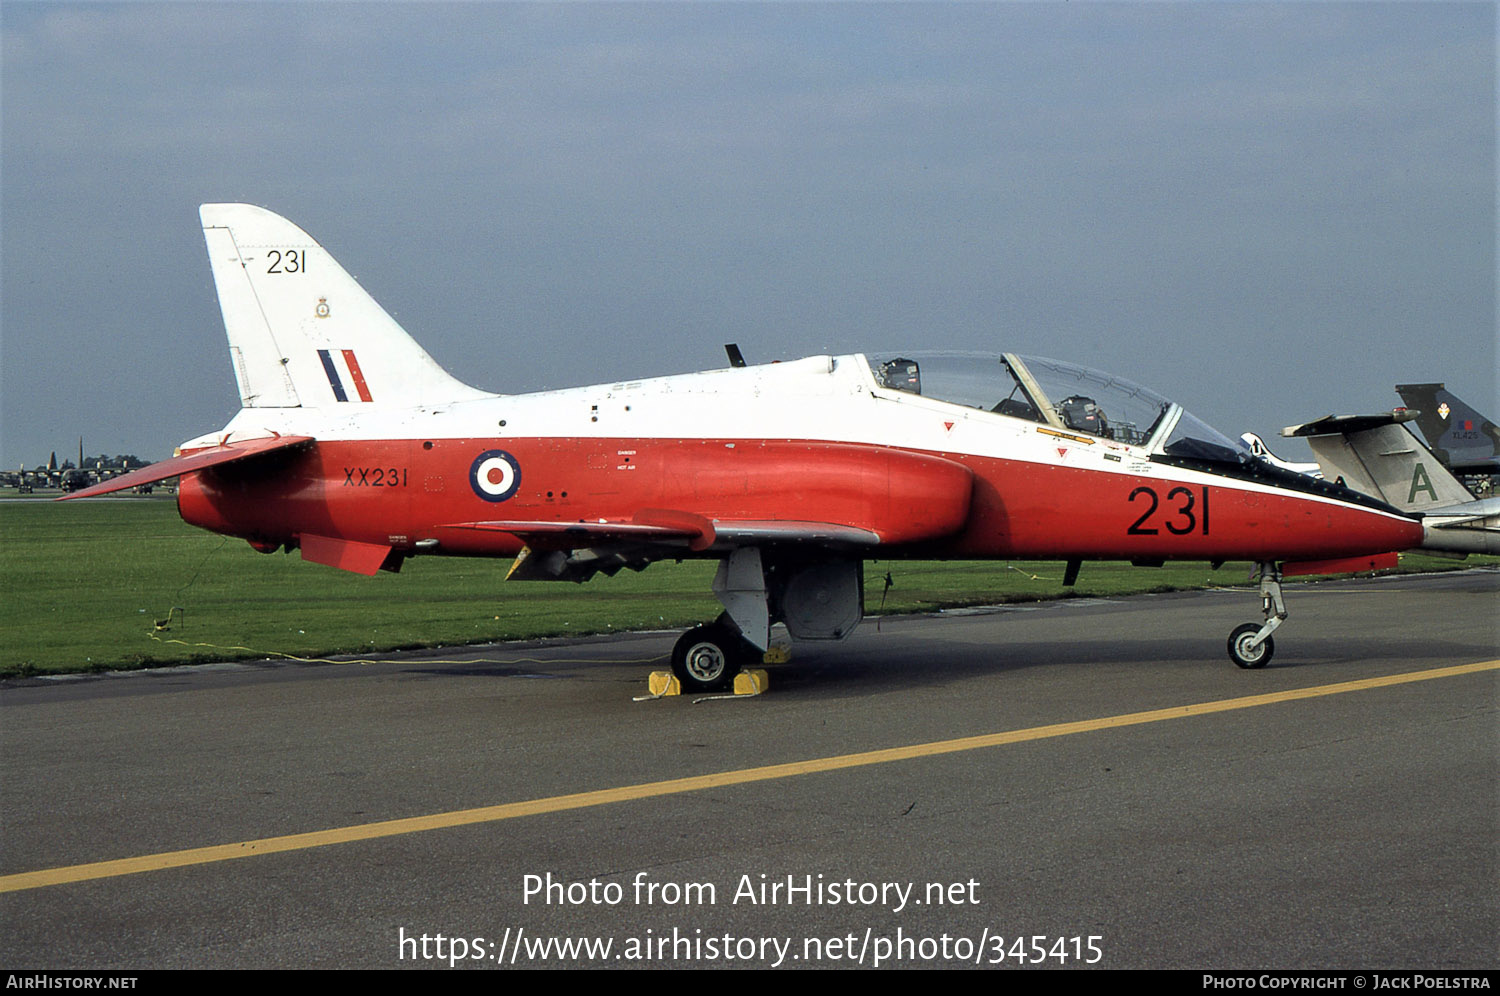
(648, 790)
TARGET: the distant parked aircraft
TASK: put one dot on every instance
(1462, 439)
(1259, 449)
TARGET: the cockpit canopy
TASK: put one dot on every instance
(1065, 396)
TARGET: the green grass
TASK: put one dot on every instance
(85, 583)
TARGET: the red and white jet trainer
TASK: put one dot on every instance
(355, 447)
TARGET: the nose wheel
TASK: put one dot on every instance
(1250, 645)
(1243, 649)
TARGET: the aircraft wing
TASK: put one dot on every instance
(548, 535)
(676, 528)
(1468, 527)
(214, 456)
(575, 551)
(1481, 514)
(743, 532)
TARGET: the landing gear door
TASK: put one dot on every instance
(823, 601)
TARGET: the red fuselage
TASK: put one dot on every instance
(400, 492)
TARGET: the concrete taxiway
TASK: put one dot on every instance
(1091, 777)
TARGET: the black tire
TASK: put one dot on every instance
(1240, 652)
(706, 658)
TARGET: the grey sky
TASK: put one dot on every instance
(1267, 212)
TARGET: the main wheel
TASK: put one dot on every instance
(1243, 654)
(706, 658)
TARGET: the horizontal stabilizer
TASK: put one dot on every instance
(201, 460)
(1333, 425)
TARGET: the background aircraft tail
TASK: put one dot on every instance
(1459, 436)
(302, 332)
(1379, 456)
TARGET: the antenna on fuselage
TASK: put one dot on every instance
(733, 350)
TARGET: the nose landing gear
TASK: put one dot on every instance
(1250, 645)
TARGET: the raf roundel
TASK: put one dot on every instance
(495, 475)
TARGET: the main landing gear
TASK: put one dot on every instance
(706, 658)
(816, 599)
(1250, 645)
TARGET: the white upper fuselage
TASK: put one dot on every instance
(825, 398)
(817, 398)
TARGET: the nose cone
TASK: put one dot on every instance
(1304, 523)
(1381, 532)
(1328, 520)
(1275, 514)
(1366, 523)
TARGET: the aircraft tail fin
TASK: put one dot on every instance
(1459, 436)
(1379, 456)
(302, 332)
